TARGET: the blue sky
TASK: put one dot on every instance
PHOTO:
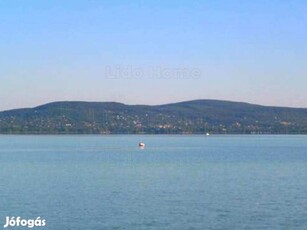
(252, 51)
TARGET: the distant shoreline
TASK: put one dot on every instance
(150, 134)
(182, 118)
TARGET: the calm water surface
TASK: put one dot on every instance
(177, 182)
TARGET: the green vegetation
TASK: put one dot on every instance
(200, 116)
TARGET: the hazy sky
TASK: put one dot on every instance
(153, 51)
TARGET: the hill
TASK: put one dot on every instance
(199, 116)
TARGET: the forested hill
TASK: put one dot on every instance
(199, 116)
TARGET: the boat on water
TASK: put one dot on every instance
(142, 145)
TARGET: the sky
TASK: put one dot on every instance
(153, 51)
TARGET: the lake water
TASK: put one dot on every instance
(176, 182)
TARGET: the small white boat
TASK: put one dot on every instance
(142, 145)
(208, 134)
